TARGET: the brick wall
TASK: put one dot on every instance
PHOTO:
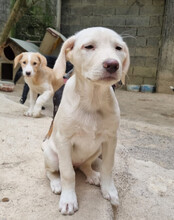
(4, 12)
(165, 77)
(138, 21)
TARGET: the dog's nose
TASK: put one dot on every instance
(111, 65)
(28, 73)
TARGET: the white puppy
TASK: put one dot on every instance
(40, 78)
(88, 117)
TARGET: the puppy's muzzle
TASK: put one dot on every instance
(111, 65)
(28, 73)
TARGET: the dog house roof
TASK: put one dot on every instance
(25, 45)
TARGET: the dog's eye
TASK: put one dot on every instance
(34, 63)
(89, 47)
(118, 48)
(24, 62)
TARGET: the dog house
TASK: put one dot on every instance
(10, 50)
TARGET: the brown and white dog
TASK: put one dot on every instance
(40, 78)
(88, 116)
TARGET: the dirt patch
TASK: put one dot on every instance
(168, 115)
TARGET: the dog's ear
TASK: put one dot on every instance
(126, 64)
(64, 55)
(17, 59)
(42, 59)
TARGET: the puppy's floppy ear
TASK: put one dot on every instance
(17, 59)
(42, 59)
(64, 55)
(126, 64)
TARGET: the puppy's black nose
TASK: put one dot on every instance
(111, 65)
(28, 73)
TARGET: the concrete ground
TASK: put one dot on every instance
(143, 171)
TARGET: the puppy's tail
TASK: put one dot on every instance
(48, 135)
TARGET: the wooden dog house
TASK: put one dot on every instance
(10, 50)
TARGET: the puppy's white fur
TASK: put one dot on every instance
(88, 117)
(40, 79)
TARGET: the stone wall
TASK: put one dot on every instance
(4, 12)
(138, 21)
(166, 59)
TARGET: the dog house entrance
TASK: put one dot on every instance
(9, 54)
(7, 71)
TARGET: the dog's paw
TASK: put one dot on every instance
(36, 114)
(93, 178)
(28, 113)
(110, 193)
(56, 186)
(36, 111)
(68, 202)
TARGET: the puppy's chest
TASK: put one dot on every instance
(37, 88)
(94, 129)
(89, 136)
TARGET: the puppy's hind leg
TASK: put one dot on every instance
(93, 177)
(52, 167)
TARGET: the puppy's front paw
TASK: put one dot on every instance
(36, 114)
(68, 202)
(93, 178)
(36, 111)
(110, 193)
(29, 113)
(55, 186)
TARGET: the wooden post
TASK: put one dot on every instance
(58, 21)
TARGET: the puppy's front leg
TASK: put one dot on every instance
(40, 101)
(68, 199)
(108, 188)
(32, 102)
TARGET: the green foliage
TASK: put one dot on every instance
(33, 24)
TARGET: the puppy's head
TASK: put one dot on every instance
(98, 54)
(30, 62)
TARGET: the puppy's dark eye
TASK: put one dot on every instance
(89, 47)
(118, 48)
(24, 62)
(34, 63)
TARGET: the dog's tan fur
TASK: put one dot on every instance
(88, 117)
(42, 80)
